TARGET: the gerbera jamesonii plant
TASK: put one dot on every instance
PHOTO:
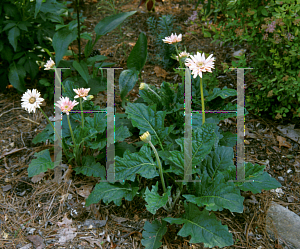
(161, 159)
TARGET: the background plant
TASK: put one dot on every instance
(161, 29)
(271, 29)
(26, 30)
(112, 6)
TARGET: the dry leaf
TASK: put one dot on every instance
(118, 219)
(38, 177)
(282, 142)
(84, 190)
(66, 234)
(6, 187)
(28, 246)
(37, 241)
(290, 131)
(68, 173)
(160, 72)
(93, 241)
(65, 221)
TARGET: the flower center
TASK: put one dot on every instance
(200, 64)
(32, 100)
(66, 106)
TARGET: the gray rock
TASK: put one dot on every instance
(284, 225)
(280, 178)
(239, 52)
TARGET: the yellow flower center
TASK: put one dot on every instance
(32, 100)
(200, 64)
(66, 107)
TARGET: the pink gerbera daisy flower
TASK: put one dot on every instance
(66, 105)
(81, 92)
(172, 39)
(199, 64)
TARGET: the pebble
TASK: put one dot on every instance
(280, 178)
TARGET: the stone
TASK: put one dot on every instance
(283, 224)
(239, 52)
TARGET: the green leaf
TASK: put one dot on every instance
(7, 53)
(138, 54)
(260, 179)
(11, 10)
(108, 192)
(91, 168)
(98, 122)
(146, 118)
(41, 164)
(95, 58)
(256, 178)
(218, 160)
(229, 139)
(37, 7)
(31, 67)
(127, 81)
(16, 76)
(263, 181)
(111, 22)
(153, 233)
(136, 163)
(264, 12)
(82, 70)
(202, 143)
(9, 26)
(206, 33)
(216, 194)
(121, 133)
(13, 35)
(154, 200)
(97, 84)
(61, 40)
(202, 227)
(224, 93)
(88, 48)
(47, 133)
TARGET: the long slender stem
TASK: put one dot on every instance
(82, 119)
(53, 129)
(180, 63)
(202, 101)
(160, 168)
(72, 135)
(155, 93)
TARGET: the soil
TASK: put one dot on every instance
(30, 211)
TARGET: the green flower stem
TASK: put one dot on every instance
(53, 129)
(71, 131)
(154, 93)
(82, 119)
(202, 101)
(160, 167)
(180, 63)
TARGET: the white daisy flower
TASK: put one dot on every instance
(50, 64)
(31, 100)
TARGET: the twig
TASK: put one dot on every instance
(10, 110)
(49, 209)
(249, 229)
(28, 119)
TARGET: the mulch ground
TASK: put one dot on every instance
(38, 211)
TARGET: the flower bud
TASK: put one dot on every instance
(146, 137)
(143, 86)
(89, 97)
